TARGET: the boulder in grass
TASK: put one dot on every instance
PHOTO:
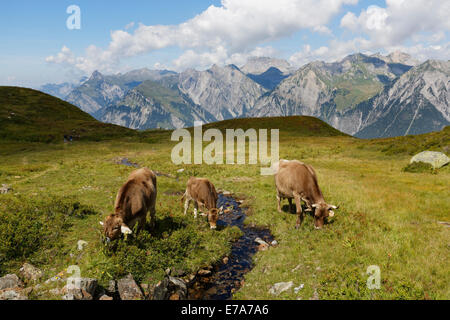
(79, 289)
(435, 159)
(280, 287)
(30, 272)
(128, 289)
(170, 288)
(10, 281)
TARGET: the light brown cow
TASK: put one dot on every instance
(202, 192)
(134, 199)
(297, 180)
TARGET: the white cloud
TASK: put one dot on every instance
(400, 21)
(216, 34)
(417, 27)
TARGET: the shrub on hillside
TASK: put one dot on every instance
(27, 227)
(419, 167)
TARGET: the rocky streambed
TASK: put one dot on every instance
(228, 277)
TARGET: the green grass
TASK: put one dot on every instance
(387, 217)
(30, 115)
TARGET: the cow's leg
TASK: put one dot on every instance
(279, 203)
(298, 203)
(186, 205)
(141, 223)
(290, 204)
(152, 218)
(195, 209)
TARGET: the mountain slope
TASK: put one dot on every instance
(31, 115)
(152, 105)
(320, 88)
(224, 92)
(268, 79)
(101, 91)
(418, 102)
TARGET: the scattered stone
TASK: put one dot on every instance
(13, 294)
(436, 159)
(55, 291)
(105, 297)
(225, 260)
(112, 289)
(261, 241)
(296, 268)
(30, 272)
(300, 287)
(5, 189)
(168, 271)
(10, 281)
(180, 170)
(204, 272)
(274, 243)
(81, 244)
(79, 289)
(170, 286)
(280, 287)
(128, 289)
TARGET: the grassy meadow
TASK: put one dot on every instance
(387, 217)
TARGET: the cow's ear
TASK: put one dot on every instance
(125, 230)
(331, 207)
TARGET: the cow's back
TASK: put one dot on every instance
(202, 190)
(137, 195)
(295, 177)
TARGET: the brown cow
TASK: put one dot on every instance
(134, 199)
(203, 193)
(295, 179)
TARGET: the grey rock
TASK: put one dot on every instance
(128, 289)
(300, 287)
(105, 297)
(5, 189)
(170, 287)
(261, 241)
(436, 159)
(10, 281)
(30, 272)
(280, 287)
(12, 294)
(80, 288)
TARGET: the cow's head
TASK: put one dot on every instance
(113, 227)
(213, 216)
(321, 212)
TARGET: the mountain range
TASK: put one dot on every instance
(367, 96)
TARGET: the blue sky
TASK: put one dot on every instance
(36, 47)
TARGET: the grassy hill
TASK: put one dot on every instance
(387, 217)
(302, 126)
(30, 115)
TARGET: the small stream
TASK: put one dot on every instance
(227, 277)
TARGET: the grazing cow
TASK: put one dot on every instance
(203, 193)
(295, 179)
(134, 199)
